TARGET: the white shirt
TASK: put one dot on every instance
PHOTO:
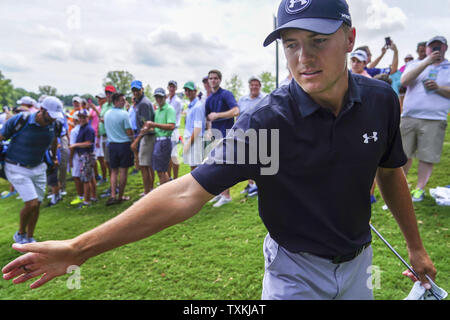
(176, 103)
(421, 104)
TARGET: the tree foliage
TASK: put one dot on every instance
(268, 82)
(121, 80)
(235, 85)
(48, 91)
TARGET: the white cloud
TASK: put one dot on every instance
(381, 16)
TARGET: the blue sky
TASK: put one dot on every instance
(72, 44)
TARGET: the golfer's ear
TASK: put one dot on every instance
(351, 39)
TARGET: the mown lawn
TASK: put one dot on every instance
(216, 255)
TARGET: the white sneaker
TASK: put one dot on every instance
(215, 199)
(222, 202)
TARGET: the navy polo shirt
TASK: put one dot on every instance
(86, 133)
(319, 200)
(221, 101)
(29, 145)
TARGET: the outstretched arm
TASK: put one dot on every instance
(150, 215)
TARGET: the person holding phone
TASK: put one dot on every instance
(425, 111)
(371, 67)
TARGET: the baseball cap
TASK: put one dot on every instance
(160, 92)
(360, 55)
(320, 16)
(437, 38)
(173, 82)
(254, 78)
(26, 101)
(82, 113)
(136, 85)
(101, 95)
(76, 99)
(54, 107)
(110, 89)
(189, 85)
(409, 56)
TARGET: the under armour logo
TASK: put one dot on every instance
(367, 138)
(293, 2)
(296, 6)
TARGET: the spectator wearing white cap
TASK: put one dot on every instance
(359, 63)
(24, 166)
(28, 103)
(425, 111)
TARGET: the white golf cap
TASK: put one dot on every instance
(54, 107)
(437, 38)
(254, 78)
(360, 55)
(101, 95)
(26, 101)
(76, 99)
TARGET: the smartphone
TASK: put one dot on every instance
(436, 49)
(388, 41)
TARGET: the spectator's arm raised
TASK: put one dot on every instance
(409, 77)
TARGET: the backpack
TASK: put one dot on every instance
(21, 123)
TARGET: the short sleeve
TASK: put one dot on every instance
(230, 100)
(7, 129)
(171, 115)
(126, 121)
(207, 107)
(221, 171)
(198, 117)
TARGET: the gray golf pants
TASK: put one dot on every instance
(303, 276)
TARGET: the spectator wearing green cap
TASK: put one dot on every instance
(194, 129)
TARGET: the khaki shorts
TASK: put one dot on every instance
(104, 145)
(146, 150)
(423, 139)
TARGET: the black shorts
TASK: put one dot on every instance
(120, 155)
(52, 177)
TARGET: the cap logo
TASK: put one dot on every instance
(296, 6)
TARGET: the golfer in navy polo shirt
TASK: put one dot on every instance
(330, 133)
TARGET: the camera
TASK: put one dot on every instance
(436, 49)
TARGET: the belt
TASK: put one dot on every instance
(346, 257)
(162, 138)
(19, 164)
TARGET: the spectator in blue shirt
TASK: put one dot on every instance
(220, 109)
(25, 167)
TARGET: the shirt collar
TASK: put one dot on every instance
(193, 103)
(306, 104)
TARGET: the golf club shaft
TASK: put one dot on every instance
(401, 259)
(395, 252)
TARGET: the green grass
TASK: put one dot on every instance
(216, 255)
